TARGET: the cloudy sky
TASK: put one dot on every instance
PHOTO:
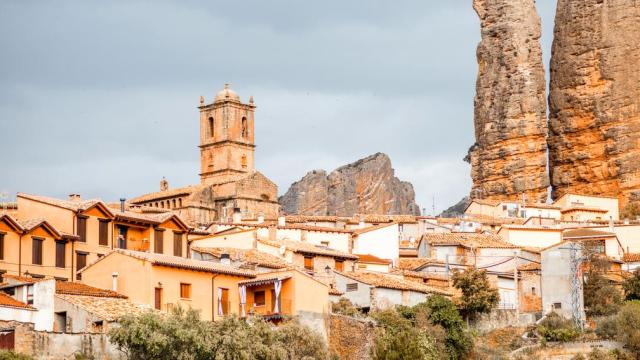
(100, 97)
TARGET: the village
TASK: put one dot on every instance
(72, 268)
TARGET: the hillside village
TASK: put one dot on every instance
(71, 268)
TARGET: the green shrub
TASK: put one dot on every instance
(607, 327)
(478, 295)
(628, 325)
(344, 307)
(444, 313)
(10, 355)
(601, 298)
(398, 338)
(632, 286)
(556, 328)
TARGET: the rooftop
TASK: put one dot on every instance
(8, 301)
(74, 288)
(107, 308)
(393, 282)
(308, 248)
(73, 205)
(251, 256)
(468, 240)
(370, 259)
(586, 233)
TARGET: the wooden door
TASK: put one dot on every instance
(158, 298)
(7, 340)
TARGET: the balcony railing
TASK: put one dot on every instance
(268, 309)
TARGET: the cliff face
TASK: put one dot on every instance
(594, 142)
(367, 186)
(509, 156)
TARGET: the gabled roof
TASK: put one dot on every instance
(106, 308)
(250, 256)
(371, 259)
(75, 288)
(583, 208)
(413, 263)
(177, 262)
(32, 224)
(76, 206)
(8, 301)
(631, 257)
(467, 240)
(372, 228)
(393, 282)
(586, 233)
(160, 195)
(304, 247)
(12, 222)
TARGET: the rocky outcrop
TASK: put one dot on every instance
(457, 209)
(594, 141)
(509, 157)
(367, 186)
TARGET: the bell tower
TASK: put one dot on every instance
(226, 137)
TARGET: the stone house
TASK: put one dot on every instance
(529, 285)
(561, 282)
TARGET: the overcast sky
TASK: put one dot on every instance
(100, 97)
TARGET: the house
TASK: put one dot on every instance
(314, 259)
(165, 281)
(631, 261)
(428, 265)
(600, 241)
(577, 207)
(428, 278)
(511, 209)
(35, 247)
(373, 263)
(381, 241)
(286, 293)
(371, 290)
(539, 236)
(529, 285)
(246, 258)
(561, 283)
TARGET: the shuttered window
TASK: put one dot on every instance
(60, 254)
(339, 265)
(36, 251)
(352, 287)
(1, 246)
(103, 236)
(158, 240)
(185, 291)
(82, 229)
(308, 263)
(81, 262)
(177, 244)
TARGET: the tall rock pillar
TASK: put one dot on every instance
(594, 142)
(509, 158)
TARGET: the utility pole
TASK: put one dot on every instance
(515, 282)
(576, 284)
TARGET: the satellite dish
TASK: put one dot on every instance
(283, 249)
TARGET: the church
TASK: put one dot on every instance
(228, 180)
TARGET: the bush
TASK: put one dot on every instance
(632, 286)
(397, 338)
(607, 328)
(10, 355)
(345, 307)
(628, 325)
(181, 335)
(478, 296)
(443, 312)
(600, 297)
(556, 328)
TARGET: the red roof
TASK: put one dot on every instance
(370, 259)
(8, 301)
(74, 288)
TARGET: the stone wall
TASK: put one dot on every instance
(501, 318)
(350, 338)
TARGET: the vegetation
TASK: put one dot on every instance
(628, 326)
(182, 335)
(598, 354)
(554, 327)
(344, 307)
(478, 296)
(631, 211)
(632, 286)
(601, 298)
(430, 330)
(10, 355)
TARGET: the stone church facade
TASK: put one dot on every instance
(228, 179)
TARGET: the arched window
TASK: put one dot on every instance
(162, 204)
(210, 128)
(245, 131)
(243, 161)
(174, 203)
(180, 202)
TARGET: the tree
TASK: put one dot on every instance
(601, 298)
(181, 335)
(632, 286)
(631, 211)
(397, 338)
(628, 324)
(443, 312)
(478, 296)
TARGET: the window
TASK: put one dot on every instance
(352, 287)
(82, 228)
(339, 265)
(210, 129)
(245, 130)
(185, 291)
(533, 290)
(308, 262)
(158, 298)
(60, 254)
(180, 202)
(244, 161)
(1, 246)
(174, 203)
(103, 233)
(81, 262)
(122, 237)
(177, 244)
(324, 243)
(158, 240)
(557, 306)
(36, 251)
(259, 298)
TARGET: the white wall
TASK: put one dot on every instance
(629, 236)
(386, 298)
(382, 243)
(540, 238)
(360, 297)
(337, 241)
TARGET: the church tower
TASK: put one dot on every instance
(226, 138)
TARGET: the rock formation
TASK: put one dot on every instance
(509, 157)
(367, 186)
(457, 209)
(594, 140)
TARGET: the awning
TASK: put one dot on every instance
(263, 281)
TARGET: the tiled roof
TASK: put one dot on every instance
(21, 279)
(582, 232)
(393, 282)
(79, 205)
(8, 301)
(631, 257)
(251, 256)
(187, 190)
(422, 275)
(308, 248)
(314, 218)
(183, 263)
(9, 205)
(31, 224)
(583, 208)
(412, 263)
(371, 259)
(467, 240)
(286, 227)
(74, 288)
(408, 252)
(106, 308)
(12, 222)
(372, 228)
(373, 218)
(334, 291)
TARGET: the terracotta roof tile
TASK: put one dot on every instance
(393, 282)
(468, 240)
(8, 301)
(187, 190)
(532, 266)
(79, 205)
(74, 288)
(371, 259)
(408, 252)
(251, 256)
(334, 291)
(308, 248)
(414, 263)
(631, 257)
(372, 228)
(584, 232)
(106, 308)
(583, 208)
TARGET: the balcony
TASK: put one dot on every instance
(260, 297)
(268, 309)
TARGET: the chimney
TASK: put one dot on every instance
(282, 220)
(260, 218)
(114, 281)
(74, 197)
(122, 201)
(237, 216)
(272, 233)
(225, 259)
